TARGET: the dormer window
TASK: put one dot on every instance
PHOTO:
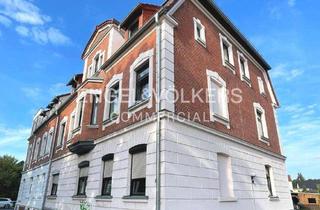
(133, 28)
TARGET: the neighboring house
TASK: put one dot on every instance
(308, 199)
(115, 146)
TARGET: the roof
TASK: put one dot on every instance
(136, 12)
(97, 28)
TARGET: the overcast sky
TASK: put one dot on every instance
(41, 43)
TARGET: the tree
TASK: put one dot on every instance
(10, 176)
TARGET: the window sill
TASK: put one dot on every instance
(274, 198)
(93, 126)
(230, 66)
(138, 104)
(103, 197)
(220, 119)
(76, 130)
(79, 197)
(110, 120)
(135, 198)
(202, 42)
(228, 199)
(51, 197)
(246, 80)
(264, 140)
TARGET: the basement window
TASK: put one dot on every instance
(107, 174)
(83, 177)
(54, 187)
(138, 170)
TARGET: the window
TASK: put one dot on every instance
(270, 184)
(218, 98)
(31, 187)
(36, 152)
(61, 133)
(261, 86)
(94, 109)
(312, 200)
(138, 170)
(107, 174)
(44, 144)
(226, 52)
(199, 32)
(133, 29)
(54, 187)
(50, 138)
(114, 101)
(83, 177)
(225, 176)
(71, 125)
(80, 112)
(142, 82)
(261, 122)
(244, 69)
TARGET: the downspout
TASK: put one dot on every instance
(158, 127)
(50, 160)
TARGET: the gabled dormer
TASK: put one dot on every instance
(137, 18)
(105, 40)
(75, 82)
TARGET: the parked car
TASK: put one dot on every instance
(6, 203)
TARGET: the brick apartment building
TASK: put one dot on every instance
(111, 144)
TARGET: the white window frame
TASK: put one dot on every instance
(244, 76)
(265, 138)
(49, 140)
(81, 96)
(229, 65)
(36, 150)
(92, 96)
(44, 144)
(71, 124)
(202, 38)
(272, 179)
(143, 57)
(261, 86)
(60, 142)
(224, 119)
(115, 79)
(226, 188)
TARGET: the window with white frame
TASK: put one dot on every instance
(261, 122)
(225, 176)
(226, 52)
(44, 144)
(94, 109)
(113, 98)
(138, 170)
(107, 174)
(244, 67)
(218, 99)
(142, 82)
(141, 77)
(71, 125)
(83, 177)
(36, 151)
(261, 86)
(80, 107)
(270, 181)
(62, 130)
(199, 31)
(54, 186)
(49, 141)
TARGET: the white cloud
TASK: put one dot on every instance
(32, 93)
(23, 11)
(58, 88)
(43, 36)
(291, 3)
(283, 72)
(31, 23)
(300, 135)
(23, 31)
(5, 21)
